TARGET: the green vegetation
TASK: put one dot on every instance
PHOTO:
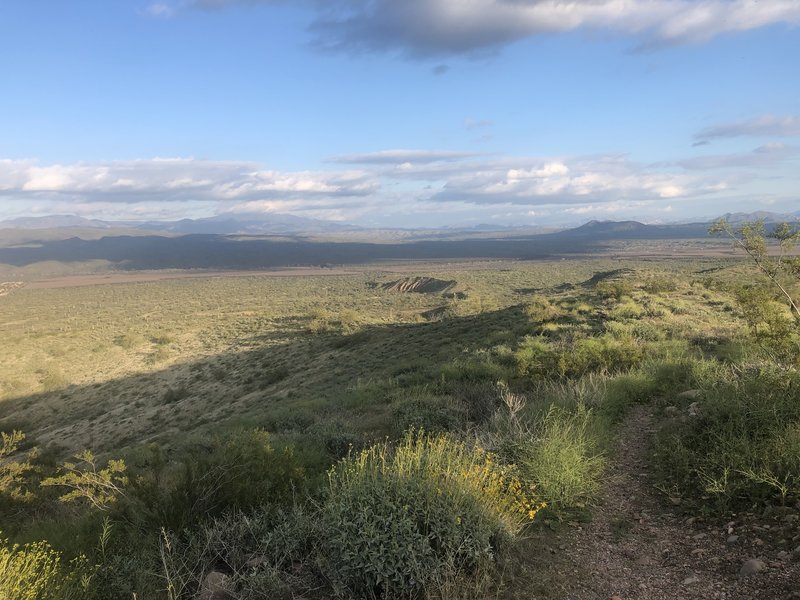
(408, 519)
(329, 437)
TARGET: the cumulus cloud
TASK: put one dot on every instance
(426, 28)
(384, 183)
(572, 181)
(177, 179)
(762, 126)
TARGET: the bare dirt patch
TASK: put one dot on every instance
(6, 287)
(419, 285)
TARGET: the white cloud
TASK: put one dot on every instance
(428, 28)
(386, 183)
(177, 179)
(761, 126)
(570, 181)
(441, 27)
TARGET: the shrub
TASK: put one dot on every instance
(14, 472)
(473, 371)
(660, 285)
(540, 310)
(561, 456)
(427, 412)
(743, 445)
(87, 480)
(479, 399)
(242, 470)
(35, 572)
(614, 289)
(535, 358)
(604, 354)
(401, 520)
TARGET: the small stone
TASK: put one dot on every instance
(255, 561)
(215, 587)
(694, 407)
(751, 567)
(697, 551)
(675, 501)
(783, 555)
(699, 536)
(691, 580)
(732, 539)
(690, 395)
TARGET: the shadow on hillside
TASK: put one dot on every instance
(200, 251)
(303, 384)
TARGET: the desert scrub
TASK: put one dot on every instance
(740, 443)
(402, 520)
(35, 572)
(536, 358)
(560, 455)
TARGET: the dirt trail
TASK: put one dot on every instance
(636, 548)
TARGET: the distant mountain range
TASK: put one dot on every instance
(271, 242)
(277, 224)
(253, 224)
(769, 217)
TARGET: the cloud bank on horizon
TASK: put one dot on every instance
(405, 181)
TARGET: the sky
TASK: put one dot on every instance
(400, 113)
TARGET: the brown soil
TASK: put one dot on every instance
(636, 547)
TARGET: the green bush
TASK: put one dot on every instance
(614, 289)
(424, 411)
(604, 354)
(742, 445)
(540, 310)
(660, 285)
(561, 455)
(242, 470)
(536, 359)
(399, 521)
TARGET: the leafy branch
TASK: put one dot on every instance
(13, 472)
(87, 481)
(751, 238)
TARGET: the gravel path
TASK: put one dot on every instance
(637, 548)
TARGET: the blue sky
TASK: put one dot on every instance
(400, 112)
